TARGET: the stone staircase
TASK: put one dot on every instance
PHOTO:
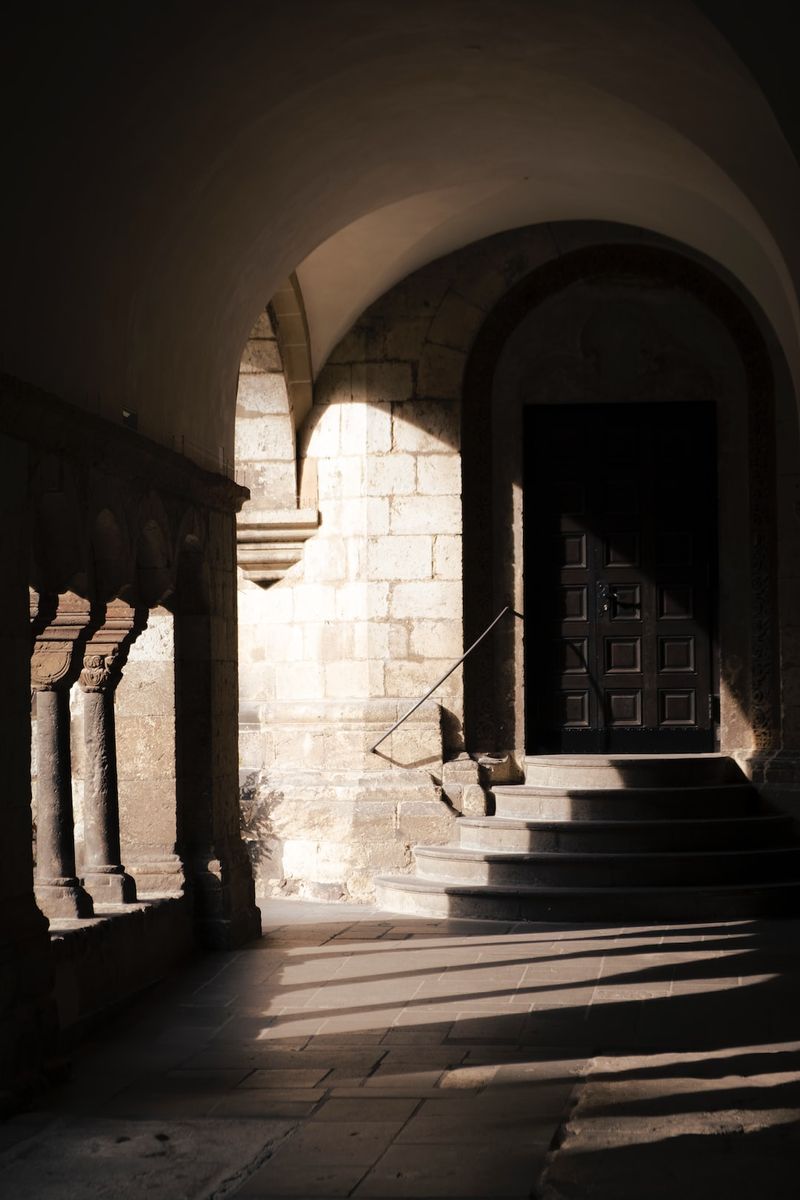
(627, 839)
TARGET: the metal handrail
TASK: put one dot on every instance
(446, 675)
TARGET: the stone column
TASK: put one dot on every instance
(218, 869)
(103, 661)
(56, 662)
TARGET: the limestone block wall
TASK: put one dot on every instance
(265, 445)
(144, 718)
(374, 612)
(372, 615)
(145, 723)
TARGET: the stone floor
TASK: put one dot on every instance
(355, 1053)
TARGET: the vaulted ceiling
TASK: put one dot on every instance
(169, 166)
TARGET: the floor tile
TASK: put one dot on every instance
(354, 1053)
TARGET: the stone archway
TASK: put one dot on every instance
(567, 294)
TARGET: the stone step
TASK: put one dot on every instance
(621, 905)
(724, 833)
(557, 803)
(630, 770)
(453, 864)
(628, 838)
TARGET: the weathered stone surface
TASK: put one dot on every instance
(456, 322)
(390, 475)
(333, 384)
(440, 372)
(399, 557)
(686, 1123)
(419, 514)
(341, 830)
(439, 475)
(271, 438)
(379, 428)
(448, 557)
(387, 382)
(428, 600)
(162, 1158)
(435, 639)
(319, 437)
(261, 355)
(426, 426)
(490, 1058)
(260, 393)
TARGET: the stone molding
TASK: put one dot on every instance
(42, 420)
(269, 542)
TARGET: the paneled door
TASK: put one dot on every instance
(620, 569)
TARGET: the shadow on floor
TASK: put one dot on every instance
(351, 1052)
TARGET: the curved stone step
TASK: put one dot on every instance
(527, 802)
(626, 906)
(723, 833)
(630, 770)
(453, 864)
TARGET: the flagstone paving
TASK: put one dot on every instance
(354, 1053)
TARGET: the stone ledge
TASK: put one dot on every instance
(96, 441)
(369, 711)
(269, 542)
(101, 962)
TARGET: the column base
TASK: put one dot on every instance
(63, 897)
(156, 874)
(110, 885)
(225, 911)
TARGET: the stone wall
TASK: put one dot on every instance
(265, 444)
(374, 612)
(372, 615)
(145, 721)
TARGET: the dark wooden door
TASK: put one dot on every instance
(620, 568)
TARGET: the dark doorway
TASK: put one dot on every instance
(620, 554)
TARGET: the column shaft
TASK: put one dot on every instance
(104, 874)
(58, 891)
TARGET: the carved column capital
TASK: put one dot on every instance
(106, 653)
(101, 672)
(51, 665)
(56, 658)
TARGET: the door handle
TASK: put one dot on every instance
(604, 597)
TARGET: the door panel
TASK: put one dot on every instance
(620, 567)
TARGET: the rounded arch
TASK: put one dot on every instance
(154, 566)
(493, 678)
(111, 555)
(60, 536)
(192, 581)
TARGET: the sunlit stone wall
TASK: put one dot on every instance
(371, 616)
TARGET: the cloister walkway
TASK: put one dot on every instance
(355, 1053)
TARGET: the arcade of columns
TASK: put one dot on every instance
(71, 648)
(106, 536)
